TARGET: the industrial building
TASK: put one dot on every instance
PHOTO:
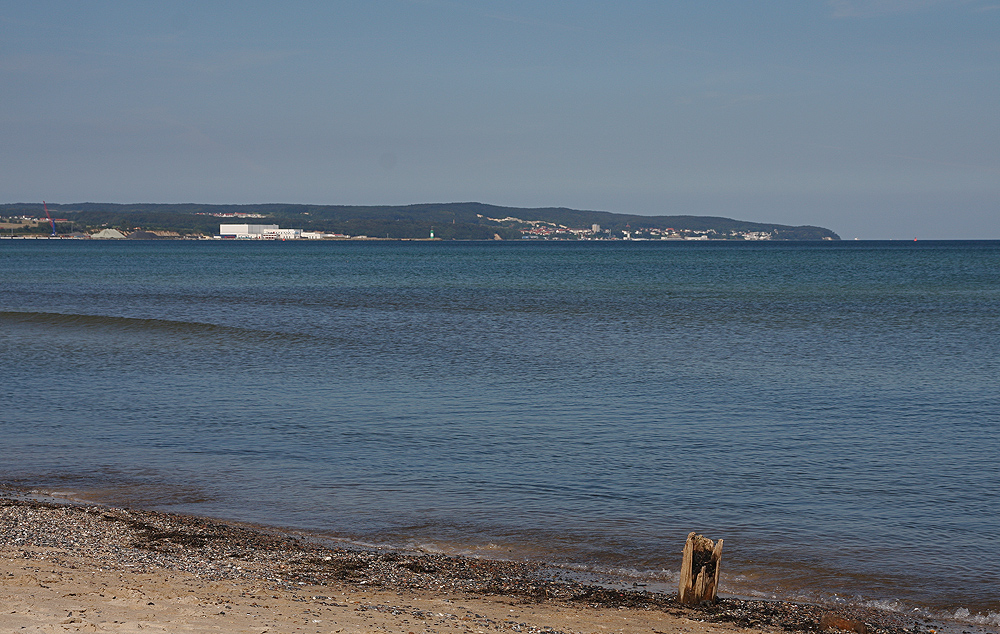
(258, 232)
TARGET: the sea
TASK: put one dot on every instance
(830, 409)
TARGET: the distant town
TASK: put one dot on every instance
(34, 228)
(535, 230)
(444, 221)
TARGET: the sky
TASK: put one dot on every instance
(878, 119)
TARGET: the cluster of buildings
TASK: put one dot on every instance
(270, 232)
(529, 229)
(235, 214)
(542, 229)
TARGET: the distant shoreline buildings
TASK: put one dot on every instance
(535, 229)
(271, 232)
(134, 226)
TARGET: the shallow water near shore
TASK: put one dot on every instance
(831, 409)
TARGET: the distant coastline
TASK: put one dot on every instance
(437, 221)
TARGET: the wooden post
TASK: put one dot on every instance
(700, 569)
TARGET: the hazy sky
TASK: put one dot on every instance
(874, 118)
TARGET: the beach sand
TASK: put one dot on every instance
(75, 568)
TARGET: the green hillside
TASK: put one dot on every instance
(458, 221)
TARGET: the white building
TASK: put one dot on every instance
(284, 234)
(258, 232)
(247, 232)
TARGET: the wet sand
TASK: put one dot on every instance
(101, 569)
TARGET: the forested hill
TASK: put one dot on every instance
(468, 221)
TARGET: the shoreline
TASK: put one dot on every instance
(86, 567)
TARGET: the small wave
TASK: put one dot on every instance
(948, 619)
(887, 605)
(964, 615)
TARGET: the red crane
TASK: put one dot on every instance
(45, 207)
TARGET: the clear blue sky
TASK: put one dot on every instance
(874, 118)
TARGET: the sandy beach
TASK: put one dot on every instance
(77, 568)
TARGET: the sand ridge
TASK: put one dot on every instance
(46, 596)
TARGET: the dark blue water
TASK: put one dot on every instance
(831, 409)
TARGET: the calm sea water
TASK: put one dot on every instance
(832, 410)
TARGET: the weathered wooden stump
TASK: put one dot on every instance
(700, 569)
